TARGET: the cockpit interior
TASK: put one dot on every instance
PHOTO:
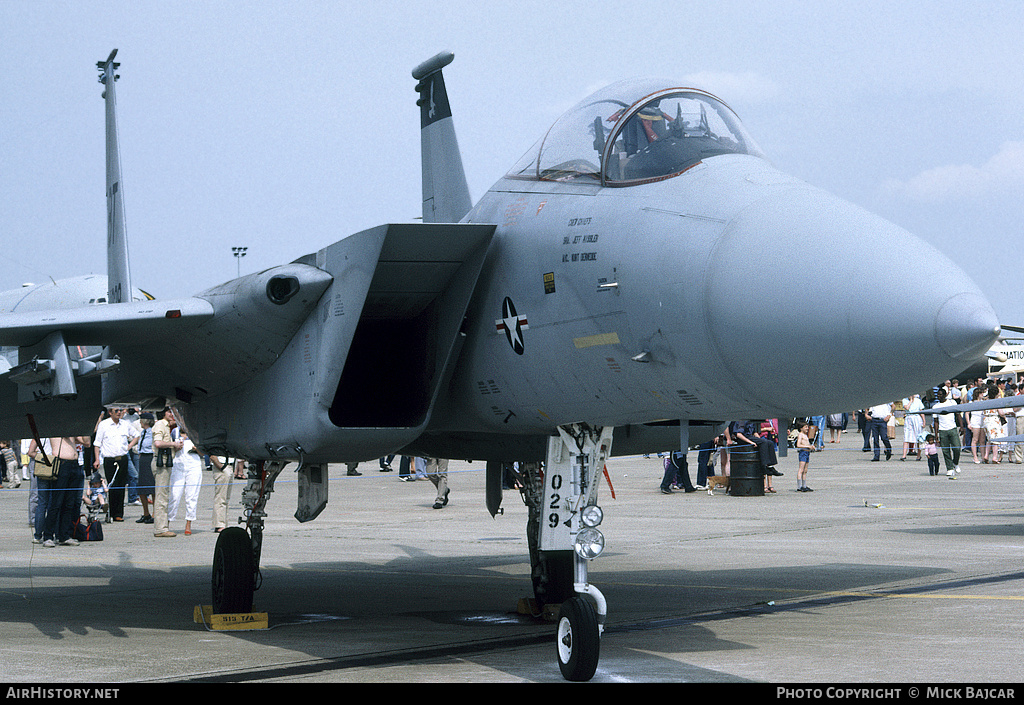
(634, 132)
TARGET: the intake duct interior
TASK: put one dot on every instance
(408, 331)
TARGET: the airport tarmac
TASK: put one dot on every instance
(882, 575)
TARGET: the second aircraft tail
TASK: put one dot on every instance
(119, 281)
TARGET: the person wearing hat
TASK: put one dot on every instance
(114, 438)
(95, 495)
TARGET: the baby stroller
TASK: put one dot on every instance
(89, 527)
(99, 507)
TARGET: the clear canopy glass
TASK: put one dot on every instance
(634, 132)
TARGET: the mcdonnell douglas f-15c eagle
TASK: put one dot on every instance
(615, 292)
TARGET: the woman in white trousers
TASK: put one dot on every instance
(186, 481)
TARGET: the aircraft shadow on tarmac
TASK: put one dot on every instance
(1013, 529)
(337, 609)
(474, 610)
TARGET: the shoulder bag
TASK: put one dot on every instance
(46, 468)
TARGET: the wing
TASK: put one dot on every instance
(56, 383)
(105, 325)
(150, 350)
(1004, 403)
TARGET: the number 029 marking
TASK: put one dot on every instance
(556, 484)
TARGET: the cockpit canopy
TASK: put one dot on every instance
(634, 132)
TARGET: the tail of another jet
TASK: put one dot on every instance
(119, 282)
(445, 191)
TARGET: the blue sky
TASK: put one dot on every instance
(284, 127)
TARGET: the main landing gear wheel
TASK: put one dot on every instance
(233, 575)
(579, 639)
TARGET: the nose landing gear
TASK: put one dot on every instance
(556, 497)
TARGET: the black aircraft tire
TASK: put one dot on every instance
(232, 579)
(578, 640)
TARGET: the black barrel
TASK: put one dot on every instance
(746, 476)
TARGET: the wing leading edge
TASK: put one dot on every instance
(106, 325)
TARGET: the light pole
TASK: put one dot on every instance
(239, 253)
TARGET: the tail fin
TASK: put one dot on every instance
(119, 281)
(445, 191)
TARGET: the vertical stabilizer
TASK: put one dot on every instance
(445, 191)
(119, 284)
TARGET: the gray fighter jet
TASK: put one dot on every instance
(640, 277)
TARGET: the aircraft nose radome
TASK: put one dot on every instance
(966, 326)
(818, 306)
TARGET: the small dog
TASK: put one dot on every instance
(716, 480)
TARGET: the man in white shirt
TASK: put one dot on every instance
(878, 418)
(947, 435)
(114, 438)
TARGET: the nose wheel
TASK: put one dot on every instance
(579, 639)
